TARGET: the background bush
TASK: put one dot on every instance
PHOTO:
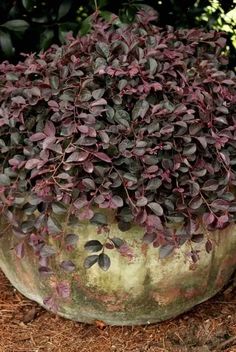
(32, 25)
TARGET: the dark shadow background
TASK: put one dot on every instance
(47, 21)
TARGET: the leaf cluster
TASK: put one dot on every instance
(136, 119)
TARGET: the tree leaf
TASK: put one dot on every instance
(210, 185)
(104, 261)
(103, 157)
(90, 261)
(197, 238)
(32, 163)
(6, 44)
(124, 226)
(85, 94)
(166, 250)
(118, 242)
(140, 109)
(152, 65)
(208, 218)
(54, 227)
(59, 208)
(98, 93)
(46, 38)
(68, 266)
(99, 219)
(89, 183)
(71, 239)
(103, 49)
(220, 204)
(47, 251)
(149, 237)
(196, 202)
(28, 4)
(64, 8)
(156, 208)
(4, 180)
(189, 149)
(16, 25)
(117, 201)
(93, 246)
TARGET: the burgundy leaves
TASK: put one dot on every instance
(137, 119)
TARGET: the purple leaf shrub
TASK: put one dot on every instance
(138, 119)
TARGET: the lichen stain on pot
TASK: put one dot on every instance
(166, 296)
(226, 264)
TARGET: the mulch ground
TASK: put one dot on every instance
(26, 327)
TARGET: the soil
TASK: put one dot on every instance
(26, 327)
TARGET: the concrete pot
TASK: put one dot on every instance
(137, 289)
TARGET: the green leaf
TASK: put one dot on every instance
(16, 25)
(4, 180)
(156, 208)
(196, 202)
(28, 4)
(53, 225)
(46, 38)
(140, 109)
(47, 251)
(93, 246)
(98, 93)
(68, 266)
(166, 250)
(90, 261)
(106, 15)
(85, 95)
(64, 8)
(88, 183)
(6, 43)
(152, 65)
(71, 239)
(103, 49)
(59, 208)
(122, 117)
(104, 261)
(86, 26)
(99, 219)
(11, 76)
(54, 81)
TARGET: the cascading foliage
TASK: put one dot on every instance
(134, 118)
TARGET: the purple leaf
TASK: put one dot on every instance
(37, 137)
(68, 266)
(99, 102)
(220, 204)
(88, 183)
(32, 163)
(103, 157)
(166, 250)
(156, 208)
(208, 218)
(196, 203)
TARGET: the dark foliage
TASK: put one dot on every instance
(137, 119)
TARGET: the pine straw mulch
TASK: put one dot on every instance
(26, 327)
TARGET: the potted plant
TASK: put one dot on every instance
(118, 155)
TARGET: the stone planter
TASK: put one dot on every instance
(138, 290)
